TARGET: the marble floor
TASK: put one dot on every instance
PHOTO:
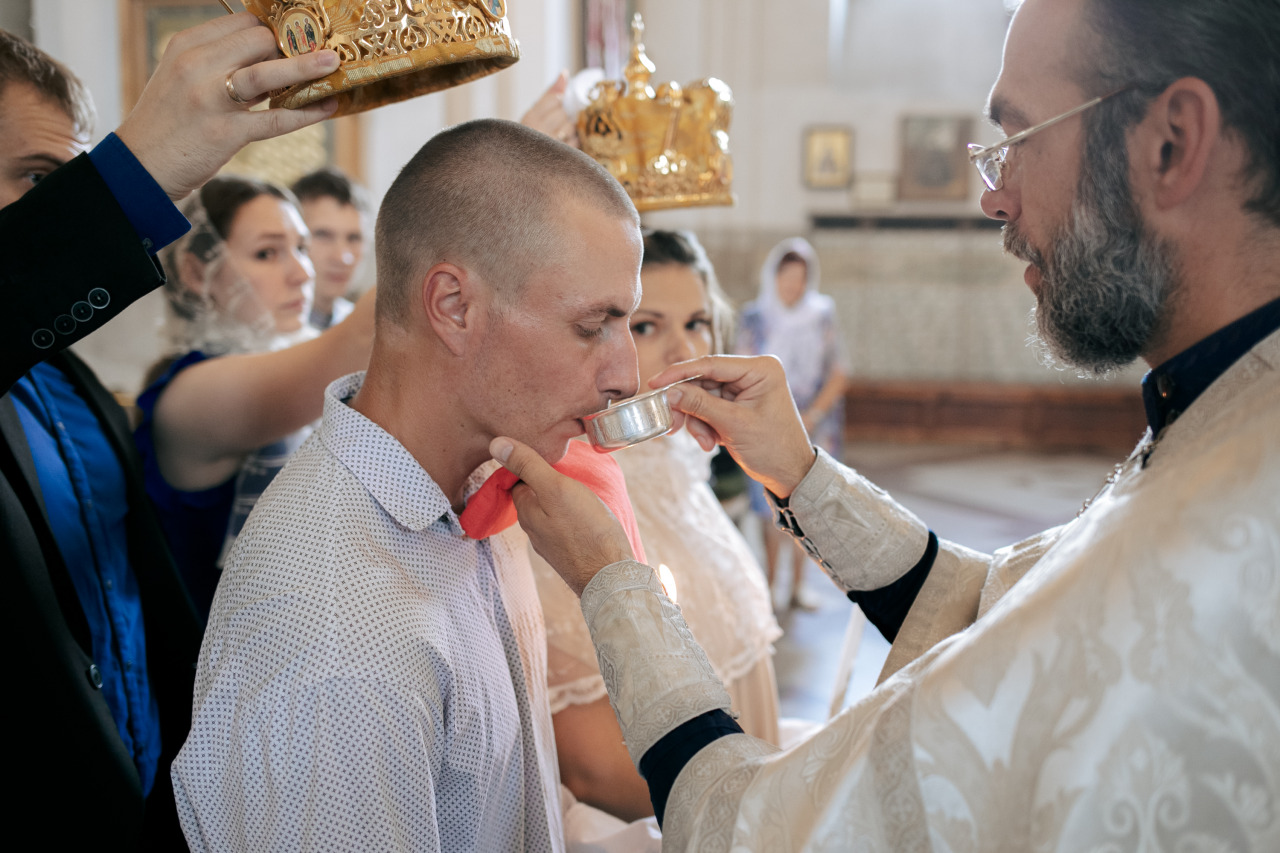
(983, 498)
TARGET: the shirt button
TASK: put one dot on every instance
(1164, 386)
(109, 583)
(95, 676)
(99, 298)
(128, 666)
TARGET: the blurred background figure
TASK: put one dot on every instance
(706, 564)
(245, 380)
(335, 209)
(792, 320)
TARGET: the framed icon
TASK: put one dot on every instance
(935, 162)
(828, 158)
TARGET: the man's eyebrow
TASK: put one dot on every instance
(1001, 113)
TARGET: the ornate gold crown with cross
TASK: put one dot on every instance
(389, 50)
(668, 146)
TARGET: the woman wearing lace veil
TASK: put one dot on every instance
(246, 376)
(793, 321)
(709, 568)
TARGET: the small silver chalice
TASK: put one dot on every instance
(631, 421)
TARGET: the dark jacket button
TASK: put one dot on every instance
(95, 676)
(64, 324)
(99, 298)
(42, 339)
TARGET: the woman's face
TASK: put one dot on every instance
(791, 282)
(673, 322)
(267, 250)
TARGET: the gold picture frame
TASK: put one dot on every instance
(145, 29)
(935, 162)
(828, 158)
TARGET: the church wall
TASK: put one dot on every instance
(926, 305)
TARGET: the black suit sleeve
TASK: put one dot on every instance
(72, 262)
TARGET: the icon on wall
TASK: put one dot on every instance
(935, 163)
(828, 158)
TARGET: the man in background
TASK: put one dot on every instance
(103, 636)
(334, 208)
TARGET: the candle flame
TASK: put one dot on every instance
(668, 581)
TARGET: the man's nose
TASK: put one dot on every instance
(1002, 204)
(621, 375)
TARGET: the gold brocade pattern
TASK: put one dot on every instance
(669, 146)
(389, 50)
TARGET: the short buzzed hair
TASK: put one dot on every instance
(23, 62)
(328, 182)
(484, 194)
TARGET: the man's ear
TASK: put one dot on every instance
(1177, 143)
(449, 304)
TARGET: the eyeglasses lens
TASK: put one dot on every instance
(990, 165)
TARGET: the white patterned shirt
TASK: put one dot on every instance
(360, 686)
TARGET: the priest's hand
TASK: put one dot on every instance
(743, 402)
(194, 114)
(568, 525)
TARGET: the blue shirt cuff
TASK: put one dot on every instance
(147, 207)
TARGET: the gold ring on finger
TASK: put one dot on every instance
(233, 94)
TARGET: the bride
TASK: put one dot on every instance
(704, 562)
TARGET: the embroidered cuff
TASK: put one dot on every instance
(657, 675)
(861, 537)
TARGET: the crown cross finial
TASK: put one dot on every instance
(669, 146)
(640, 68)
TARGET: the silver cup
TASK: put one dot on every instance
(630, 421)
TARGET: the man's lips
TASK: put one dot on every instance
(1031, 275)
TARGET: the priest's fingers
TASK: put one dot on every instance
(193, 115)
(750, 412)
(568, 525)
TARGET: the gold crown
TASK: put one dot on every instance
(389, 50)
(668, 147)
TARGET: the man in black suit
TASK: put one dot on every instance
(102, 636)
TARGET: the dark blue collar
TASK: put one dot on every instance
(1169, 389)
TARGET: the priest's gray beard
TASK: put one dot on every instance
(1107, 285)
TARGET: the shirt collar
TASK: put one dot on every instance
(1169, 389)
(381, 463)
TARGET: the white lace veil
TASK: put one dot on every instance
(198, 264)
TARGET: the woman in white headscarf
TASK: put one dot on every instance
(246, 375)
(706, 564)
(792, 320)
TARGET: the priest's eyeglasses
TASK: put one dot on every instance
(989, 160)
